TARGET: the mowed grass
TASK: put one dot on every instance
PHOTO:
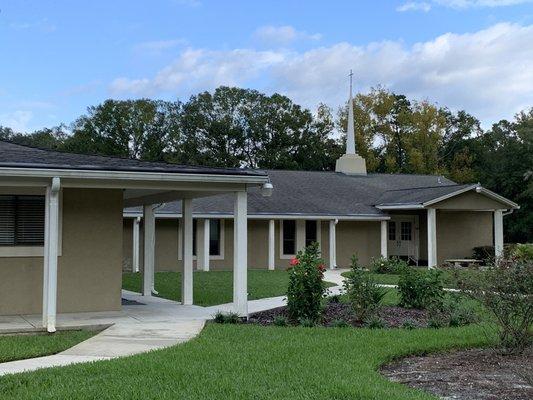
(250, 362)
(18, 347)
(213, 287)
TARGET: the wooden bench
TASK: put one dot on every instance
(463, 262)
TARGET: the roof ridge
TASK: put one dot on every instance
(429, 187)
(115, 157)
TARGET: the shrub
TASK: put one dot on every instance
(307, 322)
(436, 323)
(281, 320)
(484, 253)
(340, 323)
(375, 323)
(409, 324)
(383, 265)
(363, 293)
(420, 289)
(306, 287)
(506, 290)
(335, 299)
(523, 252)
(452, 311)
(227, 318)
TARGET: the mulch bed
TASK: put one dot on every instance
(393, 317)
(479, 374)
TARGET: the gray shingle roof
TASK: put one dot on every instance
(416, 196)
(318, 193)
(19, 156)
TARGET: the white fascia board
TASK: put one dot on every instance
(133, 176)
(270, 216)
(400, 207)
(479, 189)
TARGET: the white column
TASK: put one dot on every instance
(240, 255)
(51, 244)
(136, 245)
(332, 244)
(271, 245)
(149, 250)
(202, 241)
(45, 258)
(186, 234)
(384, 237)
(498, 233)
(432, 237)
(300, 234)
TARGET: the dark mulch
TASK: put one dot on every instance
(479, 374)
(393, 317)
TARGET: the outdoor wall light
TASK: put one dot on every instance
(266, 189)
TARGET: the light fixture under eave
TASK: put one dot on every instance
(266, 189)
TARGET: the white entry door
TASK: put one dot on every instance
(402, 236)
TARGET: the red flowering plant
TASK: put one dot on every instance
(306, 286)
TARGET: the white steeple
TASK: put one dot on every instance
(351, 162)
(350, 132)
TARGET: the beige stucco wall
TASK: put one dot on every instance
(357, 237)
(89, 268)
(470, 201)
(458, 232)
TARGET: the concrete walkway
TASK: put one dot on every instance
(152, 324)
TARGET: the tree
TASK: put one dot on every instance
(131, 128)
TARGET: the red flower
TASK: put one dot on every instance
(294, 262)
(321, 267)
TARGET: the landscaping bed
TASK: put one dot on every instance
(479, 374)
(391, 316)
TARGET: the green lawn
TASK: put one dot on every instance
(18, 347)
(246, 361)
(214, 287)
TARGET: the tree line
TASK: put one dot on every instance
(236, 127)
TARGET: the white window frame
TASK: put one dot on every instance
(31, 251)
(211, 257)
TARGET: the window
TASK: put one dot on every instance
(289, 236)
(392, 230)
(310, 232)
(214, 237)
(21, 220)
(405, 231)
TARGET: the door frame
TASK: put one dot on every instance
(415, 239)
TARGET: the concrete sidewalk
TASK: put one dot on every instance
(147, 323)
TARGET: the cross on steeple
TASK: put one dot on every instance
(351, 76)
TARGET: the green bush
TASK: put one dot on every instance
(335, 299)
(506, 290)
(307, 322)
(484, 253)
(375, 323)
(409, 324)
(227, 318)
(452, 311)
(281, 320)
(340, 323)
(420, 289)
(391, 265)
(306, 286)
(365, 295)
(523, 252)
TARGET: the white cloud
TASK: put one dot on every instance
(414, 6)
(158, 46)
(282, 35)
(17, 120)
(458, 4)
(488, 72)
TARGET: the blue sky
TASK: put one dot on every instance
(58, 57)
